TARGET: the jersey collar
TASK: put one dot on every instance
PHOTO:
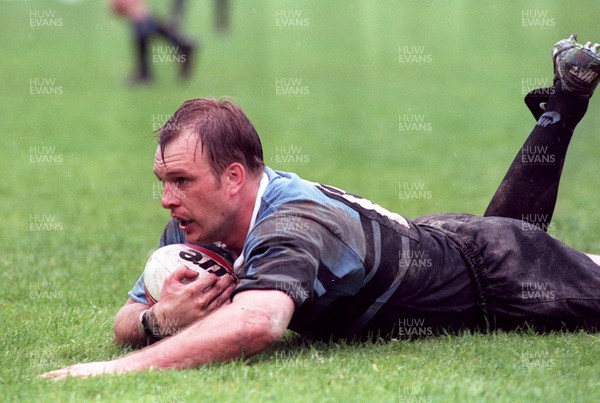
(264, 181)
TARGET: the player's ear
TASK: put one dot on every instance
(234, 177)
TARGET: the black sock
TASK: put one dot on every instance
(528, 191)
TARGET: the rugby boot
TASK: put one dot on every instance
(576, 67)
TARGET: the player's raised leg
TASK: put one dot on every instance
(528, 191)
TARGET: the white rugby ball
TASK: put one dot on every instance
(167, 259)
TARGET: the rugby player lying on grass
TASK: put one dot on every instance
(348, 268)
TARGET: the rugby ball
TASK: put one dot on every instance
(167, 259)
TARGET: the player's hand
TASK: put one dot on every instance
(83, 370)
(187, 298)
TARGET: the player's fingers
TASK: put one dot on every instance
(57, 374)
(53, 375)
(225, 297)
(221, 299)
(223, 283)
(206, 283)
(202, 284)
(224, 289)
(182, 273)
(220, 292)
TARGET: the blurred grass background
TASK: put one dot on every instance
(344, 128)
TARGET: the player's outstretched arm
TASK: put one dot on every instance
(255, 320)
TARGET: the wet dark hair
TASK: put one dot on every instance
(222, 128)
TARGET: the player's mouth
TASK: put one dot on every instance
(183, 224)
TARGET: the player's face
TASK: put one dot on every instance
(191, 192)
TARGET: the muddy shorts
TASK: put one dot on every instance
(523, 276)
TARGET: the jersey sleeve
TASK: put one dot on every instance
(299, 256)
(280, 259)
(137, 293)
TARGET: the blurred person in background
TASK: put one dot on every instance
(221, 15)
(145, 26)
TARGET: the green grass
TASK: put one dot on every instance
(62, 284)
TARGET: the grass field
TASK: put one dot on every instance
(387, 96)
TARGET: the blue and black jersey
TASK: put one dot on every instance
(351, 266)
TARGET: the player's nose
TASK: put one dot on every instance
(171, 196)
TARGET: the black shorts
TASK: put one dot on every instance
(523, 276)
